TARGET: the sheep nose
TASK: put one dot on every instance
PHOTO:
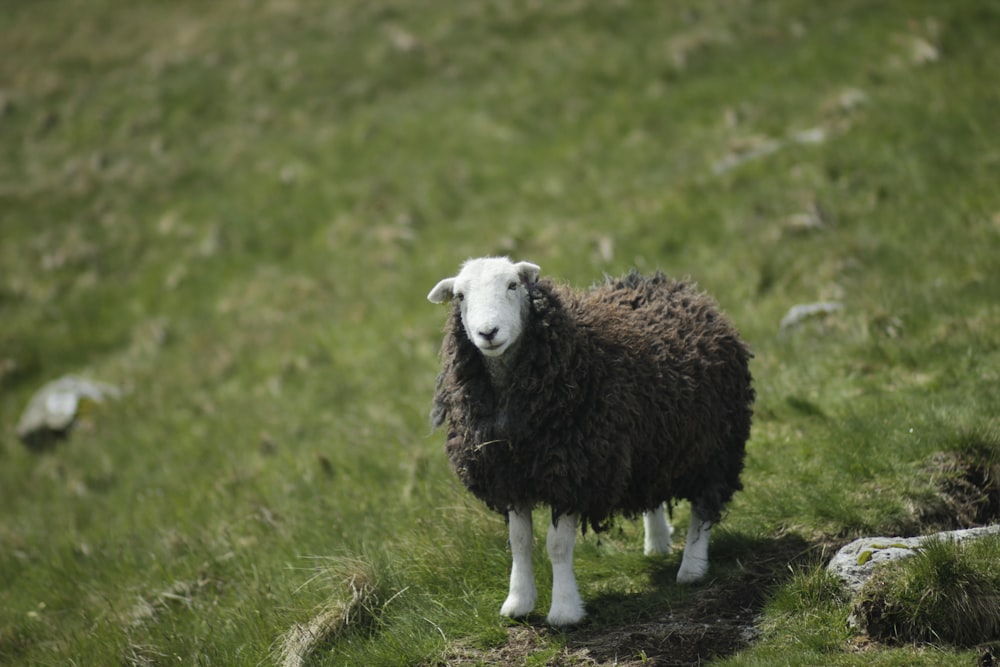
(489, 335)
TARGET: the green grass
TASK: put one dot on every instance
(233, 211)
(946, 593)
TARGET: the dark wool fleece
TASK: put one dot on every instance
(631, 394)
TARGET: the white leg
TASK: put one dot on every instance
(694, 564)
(521, 598)
(658, 531)
(567, 606)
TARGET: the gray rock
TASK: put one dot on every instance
(798, 314)
(53, 409)
(854, 563)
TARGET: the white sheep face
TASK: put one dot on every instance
(493, 297)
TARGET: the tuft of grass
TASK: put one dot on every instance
(356, 610)
(948, 593)
(807, 614)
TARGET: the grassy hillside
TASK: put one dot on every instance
(234, 210)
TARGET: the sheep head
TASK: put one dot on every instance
(493, 299)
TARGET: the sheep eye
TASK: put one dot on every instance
(512, 286)
(459, 296)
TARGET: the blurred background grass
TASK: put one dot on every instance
(234, 211)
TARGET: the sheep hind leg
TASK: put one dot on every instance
(658, 531)
(567, 605)
(521, 598)
(694, 563)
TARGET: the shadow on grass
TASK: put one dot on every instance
(711, 620)
(665, 624)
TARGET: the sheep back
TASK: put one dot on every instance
(619, 398)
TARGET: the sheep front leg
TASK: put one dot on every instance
(567, 606)
(694, 563)
(658, 531)
(521, 598)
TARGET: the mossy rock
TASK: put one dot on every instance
(948, 593)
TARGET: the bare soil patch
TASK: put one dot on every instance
(968, 483)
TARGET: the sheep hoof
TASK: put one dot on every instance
(517, 606)
(691, 575)
(657, 546)
(566, 613)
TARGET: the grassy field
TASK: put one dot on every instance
(233, 211)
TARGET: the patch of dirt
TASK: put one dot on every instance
(522, 641)
(670, 641)
(968, 484)
(989, 655)
(717, 620)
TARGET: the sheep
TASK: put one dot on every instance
(618, 400)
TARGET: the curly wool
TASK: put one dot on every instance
(615, 400)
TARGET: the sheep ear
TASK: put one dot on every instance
(528, 272)
(443, 291)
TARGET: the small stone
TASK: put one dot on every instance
(53, 409)
(804, 311)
